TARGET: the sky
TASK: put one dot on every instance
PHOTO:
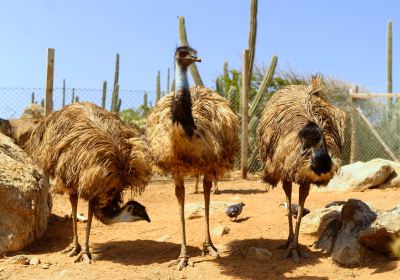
(344, 39)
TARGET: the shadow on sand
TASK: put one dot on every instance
(140, 252)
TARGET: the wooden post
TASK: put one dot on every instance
(245, 112)
(104, 95)
(353, 116)
(48, 100)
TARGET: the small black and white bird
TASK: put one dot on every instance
(295, 209)
(233, 211)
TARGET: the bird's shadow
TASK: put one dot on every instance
(241, 191)
(140, 252)
(241, 220)
(242, 265)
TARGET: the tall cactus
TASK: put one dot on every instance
(173, 85)
(104, 95)
(118, 109)
(389, 67)
(73, 95)
(42, 102)
(77, 99)
(145, 106)
(252, 35)
(33, 97)
(63, 93)
(168, 79)
(193, 68)
(158, 87)
(114, 99)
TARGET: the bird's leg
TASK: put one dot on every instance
(75, 248)
(208, 247)
(196, 185)
(287, 187)
(216, 191)
(180, 195)
(293, 249)
(85, 255)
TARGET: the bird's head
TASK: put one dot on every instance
(132, 211)
(185, 56)
(311, 138)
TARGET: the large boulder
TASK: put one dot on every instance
(360, 176)
(353, 232)
(25, 201)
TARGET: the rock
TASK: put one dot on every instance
(261, 254)
(221, 230)
(25, 201)
(354, 234)
(196, 210)
(360, 176)
(163, 238)
(1, 269)
(46, 266)
(64, 272)
(20, 259)
(81, 218)
(381, 233)
(34, 261)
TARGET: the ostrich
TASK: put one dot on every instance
(192, 131)
(300, 136)
(92, 155)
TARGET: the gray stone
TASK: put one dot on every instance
(46, 266)
(34, 261)
(163, 238)
(196, 210)
(25, 201)
(220, 230)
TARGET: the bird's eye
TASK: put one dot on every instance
(182, 54)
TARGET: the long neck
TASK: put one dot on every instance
(182, 103)
(108, 214)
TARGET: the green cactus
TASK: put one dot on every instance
(226, 78)
(116, 73)
(77, 99)
(173, 85)
(168, 78)
(63, 93)
(158, 87)
(33, 97)
(252, 35)
(114, 99)
(389, 67)
(184, 42)
(73, 95)
(219, 86)
(145, 106)
(42, 102)
(104, 95)
(233, 97)
(118, 109)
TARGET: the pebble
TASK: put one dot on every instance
(163, 238)
(24, 260)
(46, 266)
(34, 261)
(221, 230)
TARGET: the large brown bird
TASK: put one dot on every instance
(92, 155)
(300, 136)
(192, 131)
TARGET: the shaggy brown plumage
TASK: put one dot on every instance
(91, 154)
(212, 149)
(190, 132)
(300, 136)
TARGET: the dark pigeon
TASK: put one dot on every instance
(234, 210)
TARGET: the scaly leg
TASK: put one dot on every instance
(287, 187)
(293, 249)
(75, 248)
(196, 185)
(208, 247)
(85, 254)
(216, 191)
(180, 195)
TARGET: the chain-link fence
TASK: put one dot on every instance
(372, 129)
(14, 100)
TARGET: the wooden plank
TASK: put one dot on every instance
(373, 95)
(377, 136)
(48, 100)
(245, 113)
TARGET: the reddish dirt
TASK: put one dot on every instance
(130, 250)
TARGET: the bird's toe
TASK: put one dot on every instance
(85, 257)
(209, 249)
(72, 250)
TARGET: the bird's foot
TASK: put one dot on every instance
(181, 262)
(85, 257)
(293, 251)
(72, 250)
(209, 249)
(286, 244)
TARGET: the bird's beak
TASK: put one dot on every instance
(146, 217)
(196, 59)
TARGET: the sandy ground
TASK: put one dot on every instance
(131, 250)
